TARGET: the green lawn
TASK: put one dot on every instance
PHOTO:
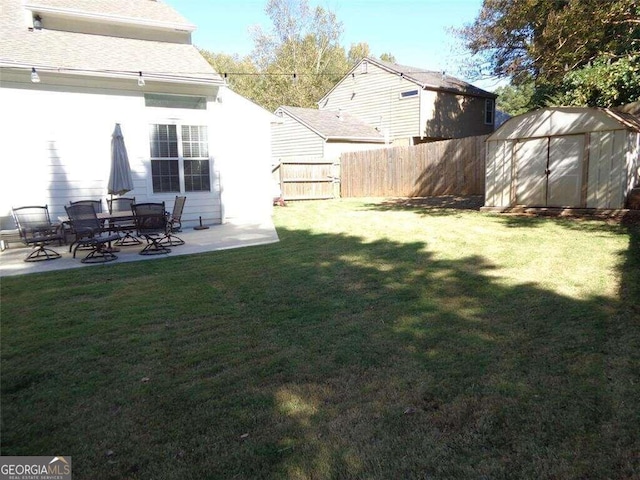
(374, 341)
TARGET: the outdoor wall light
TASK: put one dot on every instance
(37, 22)
(140, 80)
(35, 78)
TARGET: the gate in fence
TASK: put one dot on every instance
(307, 178)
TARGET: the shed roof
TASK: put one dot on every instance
(558, 121)
(334, 125)
(101, 55)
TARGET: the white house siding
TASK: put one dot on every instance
(291, 139)
(245, 157)
(57, 142)
(374, 97)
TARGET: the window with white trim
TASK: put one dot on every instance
(489, 110)
(179, 158)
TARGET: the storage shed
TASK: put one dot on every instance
(567, 157)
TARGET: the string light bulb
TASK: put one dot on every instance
(140, 80)
(35, 78)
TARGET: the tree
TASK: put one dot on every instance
(241, 74)
(301, 57)
(548, 39)
(387, 57)
(357, 52)
(296, 62)
(603, 83)
(515, 99)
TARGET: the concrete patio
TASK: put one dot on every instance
(216, 237)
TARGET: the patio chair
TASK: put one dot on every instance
(9, 232)
(90, 234)
(66, 226)
(174, 223)
(36, 229)
(97, 204)
(124, 225)
(151, 223)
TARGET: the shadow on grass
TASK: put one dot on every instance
(443, 204)
(322, 356)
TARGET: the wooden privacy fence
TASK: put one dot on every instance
(307, 178)
(449, 167)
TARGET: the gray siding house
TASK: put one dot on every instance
(308, 133)
(410, 105)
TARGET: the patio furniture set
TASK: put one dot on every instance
(100, 233)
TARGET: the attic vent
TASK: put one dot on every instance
(409, 93)
(364, 66)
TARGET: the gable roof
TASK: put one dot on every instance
(431, 80)
(332, 125)
(425, 79)
(557, 121)
(100, 55)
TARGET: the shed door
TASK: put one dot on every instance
(565, 171)
(531, 165)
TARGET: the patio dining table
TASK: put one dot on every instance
(104, 217)
(111, 217)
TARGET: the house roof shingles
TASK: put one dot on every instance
(333, 125)
(100, 54)
(431, 79)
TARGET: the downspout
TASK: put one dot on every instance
(420, 129)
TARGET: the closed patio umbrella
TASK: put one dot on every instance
(120, 179)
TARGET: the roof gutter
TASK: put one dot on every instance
(116, 74)
(113, 19)
(358, 139)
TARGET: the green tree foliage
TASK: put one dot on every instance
(603, 83)
(515, 99)
(304, 42)
(357, 52)
(552, 40)
(296, 62)
(241, 73)
(387, 57)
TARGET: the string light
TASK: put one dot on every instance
(226, 76)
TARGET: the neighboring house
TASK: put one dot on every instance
(410, 105)
(71, 69)
(306, 148)
(313, 134)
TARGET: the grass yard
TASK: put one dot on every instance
(375, 341)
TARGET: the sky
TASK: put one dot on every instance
(415, 32)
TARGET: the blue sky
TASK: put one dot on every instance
(414, 31)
